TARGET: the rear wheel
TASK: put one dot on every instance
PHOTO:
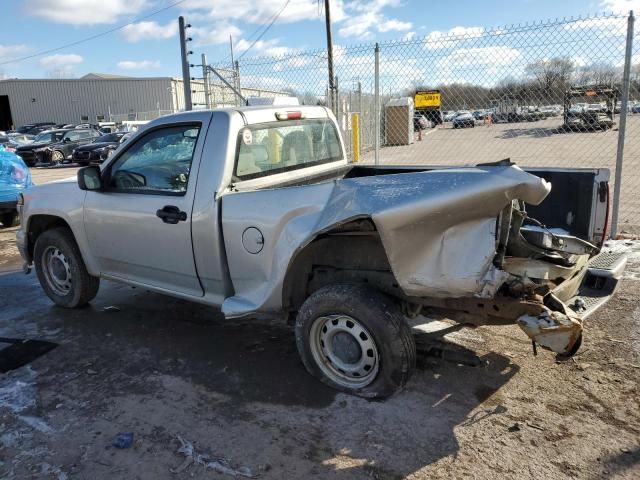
(355, 339)
(61, 270)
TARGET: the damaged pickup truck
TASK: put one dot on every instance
(257, 210)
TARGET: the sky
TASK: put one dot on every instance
(148, 44)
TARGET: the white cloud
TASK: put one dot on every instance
(449, 39)
(270, 48)
(464, 57)
(149, 31)
(264, 11)
(138, 64)
(214, 36)
(61, 61)
(409, 36)
(84, 12)
(621, 6)
(60, 65)
(394, 24)
(9, 52)
(610, 24)
(367, 16)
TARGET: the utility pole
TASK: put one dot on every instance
(205, 80)
(332, 87)
(184, 52)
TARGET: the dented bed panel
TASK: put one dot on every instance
(438, 229)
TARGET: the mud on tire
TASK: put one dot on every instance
(355, 339)
(61, 270)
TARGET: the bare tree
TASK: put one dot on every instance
(598, 73)
(551, 73)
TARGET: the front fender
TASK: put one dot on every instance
(62, 200)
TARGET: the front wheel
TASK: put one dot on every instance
(355, 339)
(57, 157)
(61, 270)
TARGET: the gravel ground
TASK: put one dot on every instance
(202, 395)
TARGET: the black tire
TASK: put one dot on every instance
(57, 157)
(9, 219)
(380, 316)
(82, 286)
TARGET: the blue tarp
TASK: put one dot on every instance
(14, 176)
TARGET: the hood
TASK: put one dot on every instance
(32, 145)
(94, 146)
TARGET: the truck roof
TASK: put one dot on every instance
(254, 114)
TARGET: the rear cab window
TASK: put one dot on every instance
(277, 147)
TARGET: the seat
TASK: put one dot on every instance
(248, 158)
(296, 149)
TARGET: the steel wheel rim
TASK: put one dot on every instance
(57, 271)
(57, 157)
(344, 350)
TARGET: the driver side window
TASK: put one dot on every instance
(158, 162)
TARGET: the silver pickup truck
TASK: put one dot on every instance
(257, 210)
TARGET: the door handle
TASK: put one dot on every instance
(171, 214)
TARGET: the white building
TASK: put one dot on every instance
(103, 97)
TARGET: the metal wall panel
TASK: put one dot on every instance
(66, 101)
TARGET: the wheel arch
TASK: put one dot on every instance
(350, 252)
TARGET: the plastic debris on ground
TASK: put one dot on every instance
(123, 440)
(218, 465)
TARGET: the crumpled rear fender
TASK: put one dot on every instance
(438, 229)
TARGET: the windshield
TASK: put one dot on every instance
(109, 137)
(49, 137)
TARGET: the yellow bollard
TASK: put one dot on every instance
(355, 137)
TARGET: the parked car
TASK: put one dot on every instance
(98, 150)
(449, 116)
(635, 108)
(464, 119)
(11, 141)
(14, 178)
(55, 146)
(35, 128)
(258, 211)
(479, 114)
(420, 122)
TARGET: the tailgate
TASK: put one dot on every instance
(578, 202)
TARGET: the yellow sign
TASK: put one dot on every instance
(427, 99)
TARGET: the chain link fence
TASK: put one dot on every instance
(545, 94)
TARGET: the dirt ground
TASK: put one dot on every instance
(196, 390)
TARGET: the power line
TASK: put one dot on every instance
(265, 30)
(93, 37)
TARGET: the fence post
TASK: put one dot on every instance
(238, 87)
(626, 82)
(376, 104)
(205, 80)
(184, 53)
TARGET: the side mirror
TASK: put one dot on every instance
(66, 140)
(90, 178)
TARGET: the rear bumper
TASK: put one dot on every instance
(559, 328)
(7, 206)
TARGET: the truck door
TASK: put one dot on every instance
(139, 225)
